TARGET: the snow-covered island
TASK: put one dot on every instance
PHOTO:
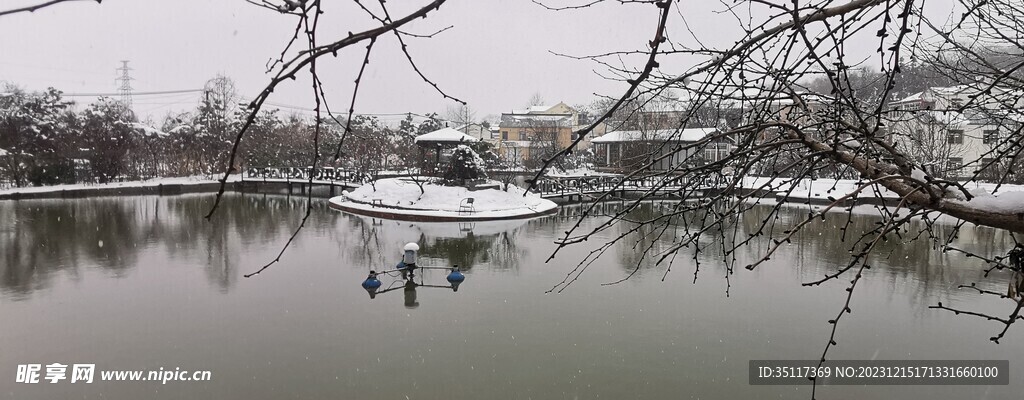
(401, 198)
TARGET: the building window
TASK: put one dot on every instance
(955, 136)
(990, 136)
(953, 166)
(716, 152)
(504, 135)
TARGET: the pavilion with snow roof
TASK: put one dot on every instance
(442, 141)
(629, 150)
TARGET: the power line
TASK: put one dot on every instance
(298, 108)
(133, 93)
(272, 104)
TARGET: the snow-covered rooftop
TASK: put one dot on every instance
(912, 98)
(534, 120)
(446, 135)
(533, 110)
(684, 135)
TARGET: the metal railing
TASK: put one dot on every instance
(295, 174)
(600, 184)
(548, 185)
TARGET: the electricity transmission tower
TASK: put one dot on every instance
(125, 84)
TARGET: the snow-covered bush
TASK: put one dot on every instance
(464, 165)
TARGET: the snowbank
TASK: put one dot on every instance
(401, 197)
(822, 188)
(836, 188)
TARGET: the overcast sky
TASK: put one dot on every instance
(495, 57)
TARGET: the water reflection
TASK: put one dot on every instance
(377, 243)
(408, 285)
(43, 238)
(820, 248)
(305, 330)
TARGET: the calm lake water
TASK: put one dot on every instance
(140, 283)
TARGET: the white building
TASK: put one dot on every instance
(955, 132)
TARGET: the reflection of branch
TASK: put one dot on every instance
(38, 6)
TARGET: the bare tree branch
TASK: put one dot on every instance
(39, 6)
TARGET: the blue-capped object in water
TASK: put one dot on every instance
(371, 281)
(455, 275)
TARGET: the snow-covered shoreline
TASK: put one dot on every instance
(100, 188)
(823, 188)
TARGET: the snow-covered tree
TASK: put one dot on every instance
(465, 164)
(106, 132)
(214, 127)
(33, 132)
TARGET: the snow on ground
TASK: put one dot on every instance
(402, 196)
(182, 180)
(824, 188)
(991, 187)
(836, 188)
